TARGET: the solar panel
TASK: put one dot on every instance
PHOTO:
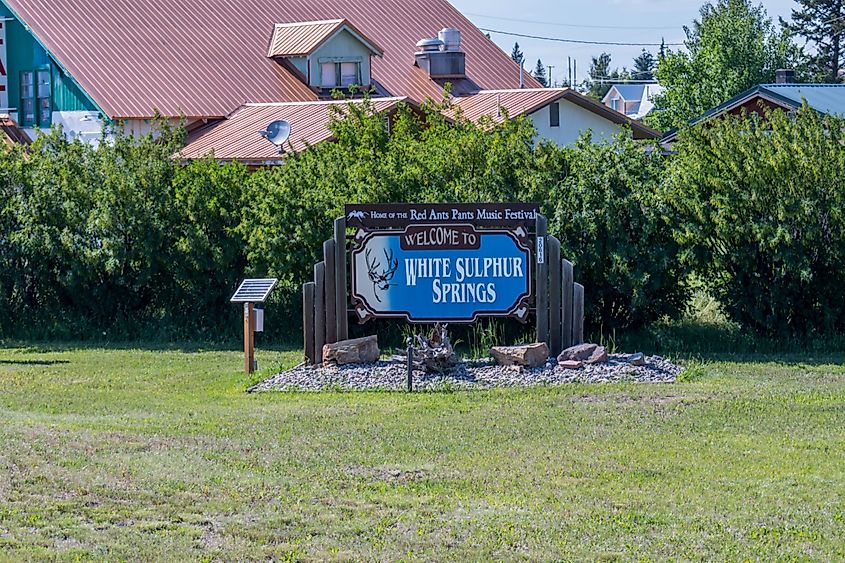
(254, 290)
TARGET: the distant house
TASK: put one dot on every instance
(786, 95)
(634, 100)
(227, 65)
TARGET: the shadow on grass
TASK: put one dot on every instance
(707, 341)
(185, 347)
(33, 362)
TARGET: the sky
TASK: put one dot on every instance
(621, 21)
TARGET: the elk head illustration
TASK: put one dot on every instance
(381, 277)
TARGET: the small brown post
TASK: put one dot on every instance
(331, 292)
(340, 284)
(567, 295)
(554, 295)
(249, 338)
(542, 281)
(578, 315)
(308, 321)
(319, 311)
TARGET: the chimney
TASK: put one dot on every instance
(784, 76)
(441, 56)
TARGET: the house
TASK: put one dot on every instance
(634, 100)
(223, 65)
(827, 99)
(560, 115)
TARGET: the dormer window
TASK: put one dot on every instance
(326, 55)
(340, 74)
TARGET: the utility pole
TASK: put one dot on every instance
(551, 83)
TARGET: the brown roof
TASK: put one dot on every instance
(10, 133)
(204, 58)
(302, 39)
(237, 137)
(528, 100)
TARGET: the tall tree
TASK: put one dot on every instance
(733, 47)
(517, 53)
(822, 23)
(540, 73)
(644, 66)
(601, 76)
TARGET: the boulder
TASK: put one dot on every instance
(529, 355)
(636, 359)
(356, 351)
(571, 364)
(577, 353)
(599, 356)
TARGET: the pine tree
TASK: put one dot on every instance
(517, 53)
(644, 66)
(822, 23)
(540, 73)
(600, 74)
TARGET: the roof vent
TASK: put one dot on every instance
(451, 38)
(441, 57)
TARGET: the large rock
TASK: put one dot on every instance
(529, 355)
(587, 353)
(357, 351)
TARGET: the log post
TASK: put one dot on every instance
(249, 338)
(542, 281)
(578, 315)
(308, 321)
(567, 291)
(331, 292)
(554, 296)
(341, 268)
(319, 311)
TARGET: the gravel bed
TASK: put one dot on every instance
(482, 374)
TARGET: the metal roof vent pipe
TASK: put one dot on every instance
(442, 57)
(451, 38)
(784, 76)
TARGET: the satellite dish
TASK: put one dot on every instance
(278, 133)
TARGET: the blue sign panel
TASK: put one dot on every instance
(450, 273)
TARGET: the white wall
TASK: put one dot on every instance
(574, 120)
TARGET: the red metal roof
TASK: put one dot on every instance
(302, 39)
(529, 100)
(237, 137)
(204, 58)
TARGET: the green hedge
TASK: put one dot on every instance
(760, 204)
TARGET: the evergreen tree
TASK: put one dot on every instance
(517, 53)
(644, 66)
(600, 75)
(822, 23)
(540, 73)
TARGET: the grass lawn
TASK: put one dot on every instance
(145, 454)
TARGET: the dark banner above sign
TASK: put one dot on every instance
(400, 215)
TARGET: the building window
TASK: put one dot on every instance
(341, 74)
(36, 98)
(27, 109)
(554, 115)
(614, 103)
(44, 94)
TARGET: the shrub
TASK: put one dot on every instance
(760, 205)
(603, 203)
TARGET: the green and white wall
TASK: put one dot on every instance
(38, 92)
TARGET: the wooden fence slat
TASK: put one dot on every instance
(554, 296)
(578, 315)
(340, 278)
(331, 292)
(542, 285)
(319, 310)
(567, 290)
(308, 321)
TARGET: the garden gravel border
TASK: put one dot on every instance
(480, 374)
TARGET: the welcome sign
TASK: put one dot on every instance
(437, 269)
